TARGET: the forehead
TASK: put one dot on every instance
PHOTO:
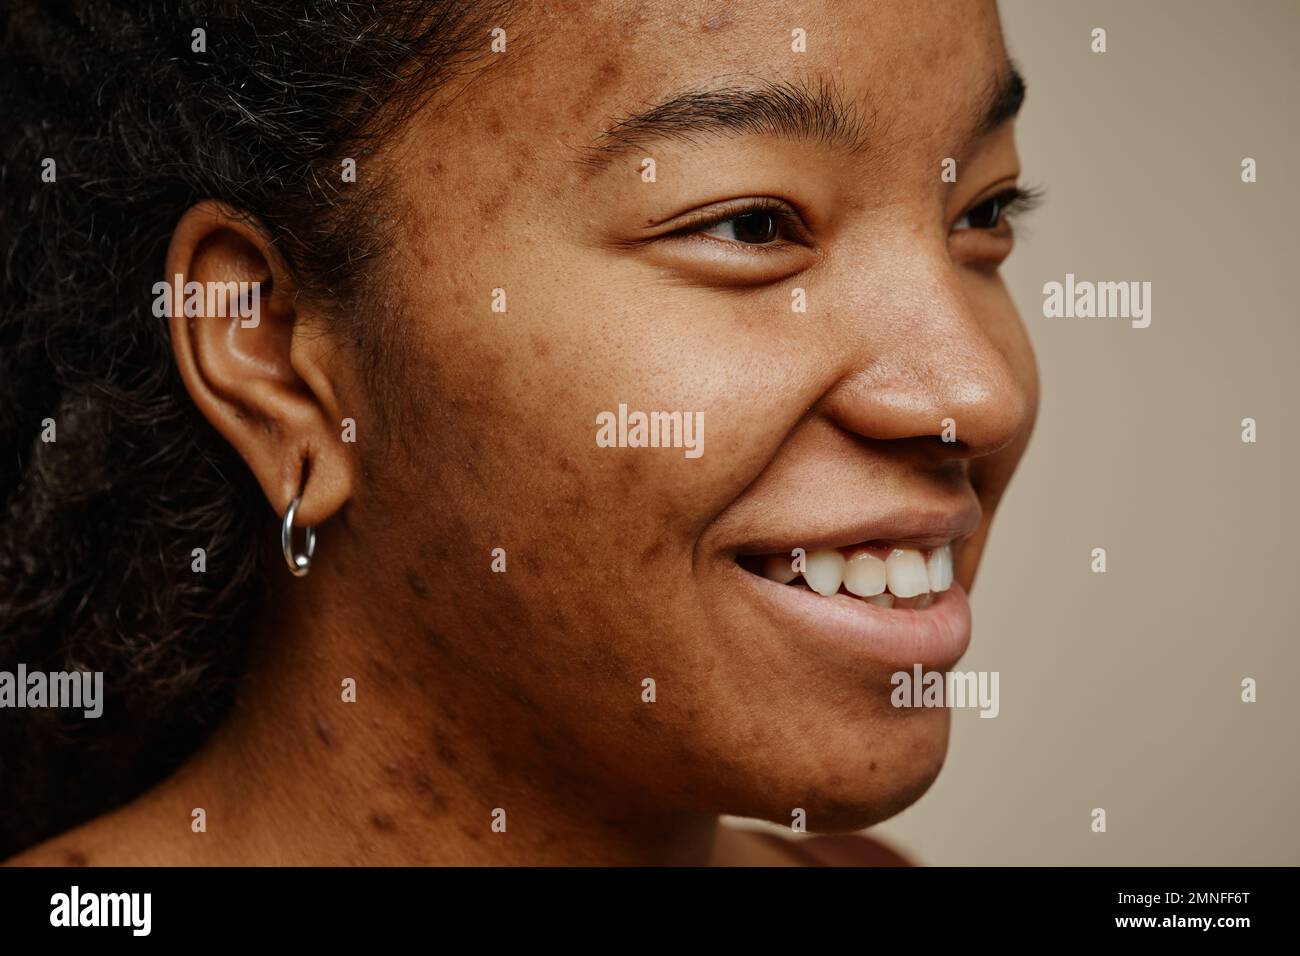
(919, 64)
(918, 73)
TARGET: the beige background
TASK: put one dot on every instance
(1122, 690)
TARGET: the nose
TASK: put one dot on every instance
(928, 363)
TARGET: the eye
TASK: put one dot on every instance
(755, 228)
(752, 223)
(995, 213)
(734, 244)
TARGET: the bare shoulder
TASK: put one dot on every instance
(73, 848)
(124, 837)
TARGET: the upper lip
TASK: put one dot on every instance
(912, 528)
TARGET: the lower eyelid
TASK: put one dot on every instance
(748, 248)
(710, 261)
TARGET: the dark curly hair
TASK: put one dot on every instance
(99, 525)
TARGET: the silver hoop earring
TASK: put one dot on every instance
(299, 564)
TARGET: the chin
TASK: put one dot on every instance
(855, 778)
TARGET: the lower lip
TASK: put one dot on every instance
(935, 637)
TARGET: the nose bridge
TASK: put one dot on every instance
(937, 372)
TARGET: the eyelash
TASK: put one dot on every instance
(1010, 203)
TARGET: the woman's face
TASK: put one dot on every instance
(823, 427)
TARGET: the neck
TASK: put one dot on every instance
(425, 766)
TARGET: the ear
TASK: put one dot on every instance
(256, 365)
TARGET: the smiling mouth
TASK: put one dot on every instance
(875, 572)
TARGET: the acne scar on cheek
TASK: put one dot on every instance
(324, 733)
(416, 583)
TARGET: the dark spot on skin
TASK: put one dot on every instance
(489, 209)
(393, 769)
(436, 640)
(652, 552)
(75, 858)
(472, 834)
(523, 167)
(605, 78)
(435, 552)
(527, 702)
(565, 464)
(611, 70)
(381, 670)
(382, 822)
(324, 733)
(446, 753)
(417, 583)
(546, 743)
(872, 765)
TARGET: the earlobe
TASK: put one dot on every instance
(238, 336)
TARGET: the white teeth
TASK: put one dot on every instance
(776, 567)
(939, 568)
(825, 571)
(905, 578)
(905, 573)
(864, 575)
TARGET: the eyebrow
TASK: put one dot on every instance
(1004, 100)
(787, 109)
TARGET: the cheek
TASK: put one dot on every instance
(523, 406)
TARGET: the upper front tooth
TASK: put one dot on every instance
(939, 568)
(905, 573)
(824, 571)
(864, 575)
(778, 567)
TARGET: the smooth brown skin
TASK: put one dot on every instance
(522, 690)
